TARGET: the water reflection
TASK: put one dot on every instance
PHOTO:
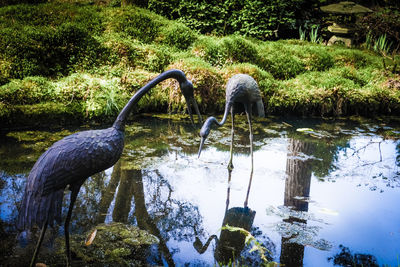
(312, 197)
(230, 244)
(297, 192)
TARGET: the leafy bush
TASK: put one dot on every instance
(384, 21)
(258, 19)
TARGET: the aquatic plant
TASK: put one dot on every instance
(255, 245)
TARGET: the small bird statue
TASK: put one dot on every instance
(71, 160)
(241, 88)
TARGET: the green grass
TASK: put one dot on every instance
(84, 61)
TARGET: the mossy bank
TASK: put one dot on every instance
(72, 63)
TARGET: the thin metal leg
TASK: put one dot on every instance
(228, 191)
(39, 243)
(248, 114)
(230, 164)
(74, 194)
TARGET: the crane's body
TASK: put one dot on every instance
(240, 89)
(71, 160)
(92, 151)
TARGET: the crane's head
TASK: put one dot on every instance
(188, 92)
(205, 131)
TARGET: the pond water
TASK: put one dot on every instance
(320, 196)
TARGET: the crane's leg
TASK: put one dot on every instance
(74, 194)
(39, 243)
(230, 164)
(248, 114)
(228, 191)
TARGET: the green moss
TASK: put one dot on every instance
(76, 62)
(207, 81)
(177, 35)
(111, 243)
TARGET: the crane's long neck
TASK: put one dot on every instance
(119, 123)
(228, 106)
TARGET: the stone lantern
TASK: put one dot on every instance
(343, 30)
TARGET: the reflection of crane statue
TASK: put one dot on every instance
(230, 243)
(241, 88)
(70, 161)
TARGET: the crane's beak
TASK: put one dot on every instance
(201, 146)
(190, 112)
(196, 108)
(192, 101)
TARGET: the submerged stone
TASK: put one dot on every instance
(114, 243)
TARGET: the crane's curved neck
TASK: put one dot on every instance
(228, 106)
(119, 123)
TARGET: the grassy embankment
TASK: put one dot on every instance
(70, 63)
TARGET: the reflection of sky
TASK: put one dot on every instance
(357, 211)
(9, 195)
(356, 201)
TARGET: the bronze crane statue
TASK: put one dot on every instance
(241, 88)
(71, 160)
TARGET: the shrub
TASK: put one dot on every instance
(384, 21)
(137, 23)
(177, 35)
(52, 14)
(221, 51)
(258, 19)
(134, 54)
(315, 58)
(355, 58)
(239, 49)
(281, 65)
(30, 90)
(210, 50)
(46, 51)
(208, 84)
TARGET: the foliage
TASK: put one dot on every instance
(382, 22)
(81, 62)
(177, 35)
(40, 40)
(136, 23)
(251, 240)
(250, 18)
(314, 35)
(382, 45)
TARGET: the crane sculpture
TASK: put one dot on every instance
(71, 160)
(241, 88)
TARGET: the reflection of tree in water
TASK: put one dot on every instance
(346, 258)
(156, 211)
(174, 217)
(297, 187)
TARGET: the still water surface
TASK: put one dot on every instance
(319, 196)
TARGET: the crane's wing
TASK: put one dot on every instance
(69, 161)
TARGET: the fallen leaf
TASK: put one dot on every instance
(90, 238)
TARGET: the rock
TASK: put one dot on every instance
(118, 243)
